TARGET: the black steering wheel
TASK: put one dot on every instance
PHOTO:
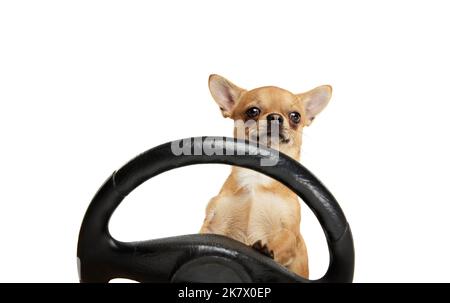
(204, 257)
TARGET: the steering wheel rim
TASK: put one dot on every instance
(102, 258)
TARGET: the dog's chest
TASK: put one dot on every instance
(252, 180)
(266, 212)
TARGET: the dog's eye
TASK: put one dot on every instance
(253, 112)
(295, 117)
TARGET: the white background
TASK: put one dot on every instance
(87, 85)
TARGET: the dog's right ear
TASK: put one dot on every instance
(225, 93)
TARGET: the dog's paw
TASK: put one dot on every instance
(263, 249)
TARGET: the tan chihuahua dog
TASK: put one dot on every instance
(251, 207)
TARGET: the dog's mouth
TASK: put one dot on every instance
(282, 137)
(269, 138)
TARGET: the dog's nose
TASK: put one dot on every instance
(275, 117)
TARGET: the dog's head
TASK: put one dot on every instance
(269, 115)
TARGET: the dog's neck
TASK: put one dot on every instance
(247, 178)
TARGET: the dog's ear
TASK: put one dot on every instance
(225, 93)
(315, 101)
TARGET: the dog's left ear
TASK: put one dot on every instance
(315, 101)
(225, 93)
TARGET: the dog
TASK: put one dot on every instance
(251, 207)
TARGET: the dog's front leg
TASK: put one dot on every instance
(283, 243)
